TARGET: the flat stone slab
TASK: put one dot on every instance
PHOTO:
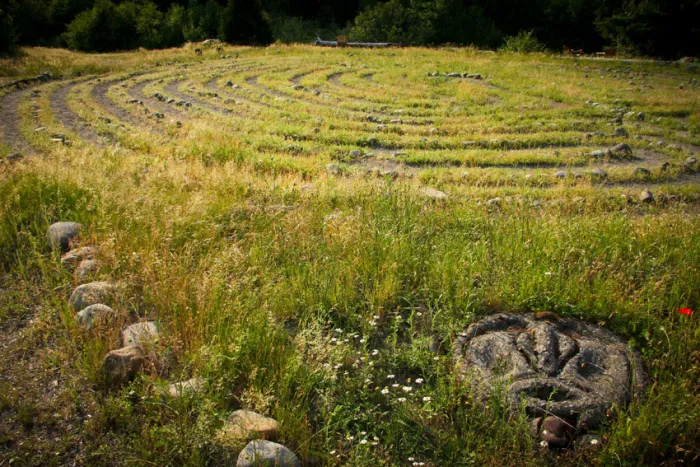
(140, 334)
(60, 235)
(266, 453)
(554, 367)
(91, 294)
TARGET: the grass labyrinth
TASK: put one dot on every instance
(310, 227)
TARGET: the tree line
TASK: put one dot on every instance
(659, 28)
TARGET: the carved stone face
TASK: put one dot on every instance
(566, 369)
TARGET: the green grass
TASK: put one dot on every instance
(297, 293)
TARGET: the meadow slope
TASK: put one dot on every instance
(310, 227)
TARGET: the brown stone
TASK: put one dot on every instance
(247, 425)
(121, 365)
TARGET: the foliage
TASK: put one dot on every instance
(243, 22)
(8, 37)
(524, 42)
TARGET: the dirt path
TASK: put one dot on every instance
(10, 122)
(172, 88)
(99, 93)
(71, 120)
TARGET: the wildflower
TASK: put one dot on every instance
(594, 441)
(332, 452)
(401, 399)
(436, 358)
(350, 438)
(362, 341)
(411, 459)
(389, 376)
(339, 331)
(419, 314)
(376, 317)
(544, 444)
(427, 399)
(419, 380)
(334, 340)
(362, 433)
(548, 273)
(374, 352)
(371, 363)
(686, 311)
(385, 391)
(372, 323)
(364, 441)
(407, 389)
(368, 380)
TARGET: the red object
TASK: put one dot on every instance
(685, 311)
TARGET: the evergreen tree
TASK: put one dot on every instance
(243, 22)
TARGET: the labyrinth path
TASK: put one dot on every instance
(368, 112)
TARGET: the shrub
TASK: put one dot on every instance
(407, 21)
(103, 28)
(8, 37)
(524, 42)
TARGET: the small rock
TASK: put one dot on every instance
(91, 294)
(622, 148)
(646, 196)
(60, 235)
(433, 193)
(599, 173)
(267, 453)
(642, 171)
(598, 153)
(641, 116)
(334, 169)
(316, 92)
(556, 432)
(389, 173)
(690, 162)
(86, 268)
(229, 84)
(247, 425)
(356, 153)
(494, 202)
(140, 334)
(94, 314)
(560, 174)
(76, 255)
(665, 166)
(186, 388)
(121, 365)
(661, 143)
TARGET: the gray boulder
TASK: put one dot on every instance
(60, 235)
(94, 314)
(86, 269)
(140, 334)
(267, 453)
(91, 293)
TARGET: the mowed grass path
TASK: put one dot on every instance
(276, 225)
